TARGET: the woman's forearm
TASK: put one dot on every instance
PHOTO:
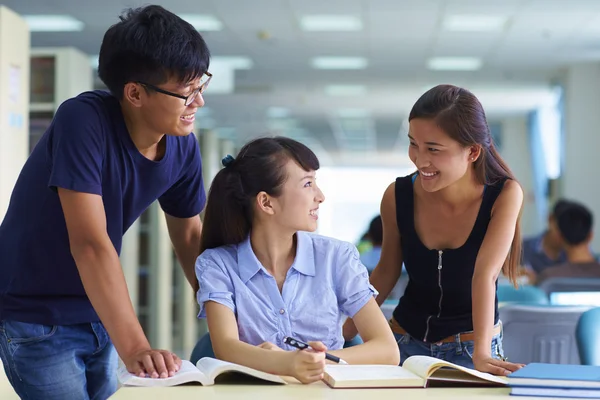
(483, 296)
(381, 350)
(238, 352)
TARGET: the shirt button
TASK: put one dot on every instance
(282, 311)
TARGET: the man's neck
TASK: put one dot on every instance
(150, 146)
(550, 249)
(579, 254)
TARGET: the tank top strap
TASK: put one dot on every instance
(490, 194)
(405, 203)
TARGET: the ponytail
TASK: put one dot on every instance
(492, 170)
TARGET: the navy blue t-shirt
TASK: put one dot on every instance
(87, 148)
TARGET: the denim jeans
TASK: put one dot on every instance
(458, 352)
(62, 362)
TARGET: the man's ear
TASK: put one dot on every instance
(264, 203)
(132, 93)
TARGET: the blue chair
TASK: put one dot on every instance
(204, 347)
(587, 334)
(523, 295)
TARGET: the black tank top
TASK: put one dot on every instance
(437, 300)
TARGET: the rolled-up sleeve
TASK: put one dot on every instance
(215, 284)
(353, 289)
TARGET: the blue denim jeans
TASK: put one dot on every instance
(458, 352)
(62, 362)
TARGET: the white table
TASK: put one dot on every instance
(314, 391)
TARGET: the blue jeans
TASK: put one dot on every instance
(62, 362)
(458, 352)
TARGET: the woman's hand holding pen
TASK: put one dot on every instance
(308, 365)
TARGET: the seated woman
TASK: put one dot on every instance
(262, 277)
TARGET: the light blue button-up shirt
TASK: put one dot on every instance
(326, 282)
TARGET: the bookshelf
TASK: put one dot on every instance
(56, 74)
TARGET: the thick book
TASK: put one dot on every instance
(417, 371)
(556, 375)
(555, 392)
(206, 372)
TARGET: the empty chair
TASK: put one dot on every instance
(588, 337)
(553, 285)
(537, 333)
(523, 295)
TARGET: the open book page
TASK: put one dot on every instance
(357, 376)
(212, 368)
(436, 369)
(186, 374)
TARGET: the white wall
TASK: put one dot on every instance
(517, 154)
(14, 101)
(582, 139)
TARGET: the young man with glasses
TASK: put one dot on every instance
(104, 159)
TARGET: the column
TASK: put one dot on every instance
(187, 314)
(516, 152)
(582, 139)
(130, 261)
(160, 315)
(211, 158)
(14, 101)
(227, 147)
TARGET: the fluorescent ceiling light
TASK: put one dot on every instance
(474, 23)
(202, 22)
(234, 61)
(339, 62)
(454, 63)
(278, 112)
(330, 23)
(345, 90)
(53, 23)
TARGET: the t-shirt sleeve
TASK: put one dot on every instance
(186, 198)
(353, 289)
(76, 148)
(215, 284)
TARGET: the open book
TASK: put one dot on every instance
(206, 372)
(417, 371)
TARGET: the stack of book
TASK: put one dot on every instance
(556, 380)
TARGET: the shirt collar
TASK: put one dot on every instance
(304, 262)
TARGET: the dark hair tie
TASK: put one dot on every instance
(227, 160)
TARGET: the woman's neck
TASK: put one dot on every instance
(274, 249)
(462, 192)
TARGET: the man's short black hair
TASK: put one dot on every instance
(559, 206)
(575, 223)
(375, 232)
(151, 45)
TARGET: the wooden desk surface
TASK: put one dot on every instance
(315, 391)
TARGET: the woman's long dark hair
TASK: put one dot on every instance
(258, 167)
(460, 114)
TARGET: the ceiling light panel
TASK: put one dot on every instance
(331, 23)
(53, 23)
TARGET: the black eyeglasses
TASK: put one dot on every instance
(189, 99)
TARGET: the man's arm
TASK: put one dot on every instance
(102, 277)
(185, 236)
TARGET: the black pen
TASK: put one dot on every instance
(301, 345)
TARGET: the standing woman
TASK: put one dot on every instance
(454, 223)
